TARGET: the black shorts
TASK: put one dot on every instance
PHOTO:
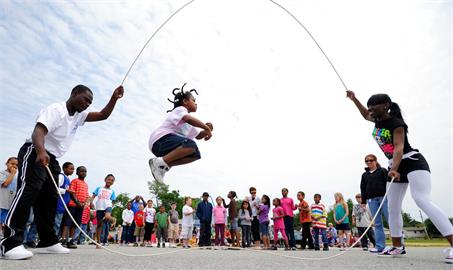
(76, 213)
(343, 227)
(100, 214)
(170, 142)
(410, 164)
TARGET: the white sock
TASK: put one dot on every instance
(160, 162)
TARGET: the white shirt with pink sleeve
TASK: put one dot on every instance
(174, 124)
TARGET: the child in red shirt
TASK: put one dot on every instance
(139, 219)
(79, 189)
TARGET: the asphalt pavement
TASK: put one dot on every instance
(87, 257)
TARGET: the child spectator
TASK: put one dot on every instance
(233, 214)
(128, 218)
(8, 185)
(341, 218)
(150, 213)
(161, 226)
(288, 207)
(93, 225)
(245, 217)
(361, 218)
(254, 201)
(80, 190)
(279, 224)
(105, 197)
(219, 221)
(263, 217)
(187, 222)
(139, 219)
(332, 235)
(64, 183)
(79, 237)
(119, 233)
(204, 214)
(319, 219)
(135, 203)
(173, 225)
(305, 220)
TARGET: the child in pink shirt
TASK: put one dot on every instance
(219, 220)
(279, 225)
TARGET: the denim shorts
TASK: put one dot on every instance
(264, 228)
(3, 213)
(234, 224)
(100, 214)
(170, 142)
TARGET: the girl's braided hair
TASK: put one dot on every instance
(180, 96)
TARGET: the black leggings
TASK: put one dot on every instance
(148, 231)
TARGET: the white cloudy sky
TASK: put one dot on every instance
(280, 114)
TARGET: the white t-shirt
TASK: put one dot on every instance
(174, 124)
(253, 204)
(105, 196)
(187, 220)
(61, 127)
(150, 213)
(128, 216)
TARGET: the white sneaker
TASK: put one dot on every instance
(18, 253)
(448, 252)
(158, 170)
(55, 249)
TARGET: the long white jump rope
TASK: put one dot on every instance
(378, 212)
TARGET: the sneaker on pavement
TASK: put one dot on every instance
(55, 249)
(448, 255)
(393, 252)
(17, 253)
(71, 245)
(375, 250)
(30, 244)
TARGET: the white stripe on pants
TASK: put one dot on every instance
(420, 186)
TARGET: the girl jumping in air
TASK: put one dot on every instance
(407, 166)
(172, 143)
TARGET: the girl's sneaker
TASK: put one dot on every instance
(393, 252)
(158, 170)
(448, 252)
(274, 248)
(374, 250)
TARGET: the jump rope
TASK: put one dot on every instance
(255, 250)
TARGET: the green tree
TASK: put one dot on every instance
(431, 228)
(165, 197)
(350, 206)
(330, 217)
(119, 205)
(408, 221)
(296, 222)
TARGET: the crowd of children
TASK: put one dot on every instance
(145, 225)
(141, 223)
